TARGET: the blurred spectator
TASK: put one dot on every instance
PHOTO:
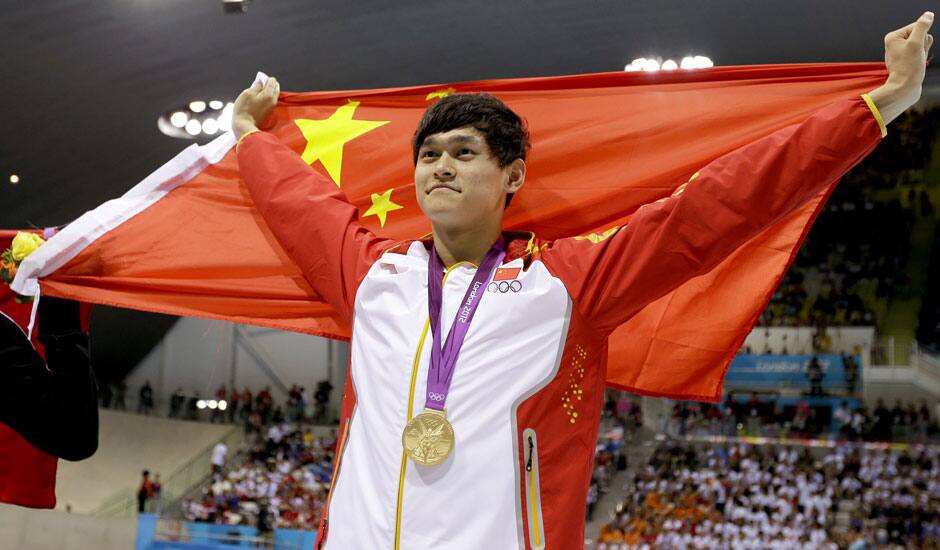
(145, 399)
(218, 458)
(176, 403)
(144, 492)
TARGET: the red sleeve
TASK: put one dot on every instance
(728, 202)
(311, 219)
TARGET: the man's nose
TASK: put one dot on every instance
(444, 168)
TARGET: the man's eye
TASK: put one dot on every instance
(465, 151)
(428, 154)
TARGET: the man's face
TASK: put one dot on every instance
(459, 182)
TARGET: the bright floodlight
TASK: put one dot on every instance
(197, 106)
(223, 405)
(193, 127)
(216, 104)
(703, 62)
(179, 119)
(650, 65)
(670, 65)
(213, 403)
(14, 178)
(201, 404)
(225, 119)
(210, 126)
(688, 62)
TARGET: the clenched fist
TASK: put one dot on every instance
(253, 106)
(906, 52)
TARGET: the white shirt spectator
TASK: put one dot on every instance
(218, 454)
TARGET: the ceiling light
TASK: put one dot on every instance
(210, 126)
(193, 127)
(703, 62)
(179, 119)
(225, 119)
(197, 106)
(216, 104)
(14, 179)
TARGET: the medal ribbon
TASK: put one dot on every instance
(444, 360)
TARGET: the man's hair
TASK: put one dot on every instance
(506, 133)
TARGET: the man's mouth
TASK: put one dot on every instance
(436, 186)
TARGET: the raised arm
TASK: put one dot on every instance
(308, 214)
(736, 196)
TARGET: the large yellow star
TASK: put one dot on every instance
(326, 138)
(382, 205)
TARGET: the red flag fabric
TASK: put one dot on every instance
(188, 241)
(27, 475)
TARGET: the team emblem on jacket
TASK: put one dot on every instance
(504, 280)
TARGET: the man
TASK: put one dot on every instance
(501, 454)
(218, 458)
(144, 491)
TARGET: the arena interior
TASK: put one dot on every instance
(218, 435)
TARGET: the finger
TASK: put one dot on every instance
(901, 33)
(256, 86)
(928, 44)
(921, 26)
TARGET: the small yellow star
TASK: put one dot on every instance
(382, 205)
(326, 138)
(440, 94)
(598, 237)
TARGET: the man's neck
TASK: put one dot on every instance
(465, 245)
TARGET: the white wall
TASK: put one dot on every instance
(26, 529)
(199, 355)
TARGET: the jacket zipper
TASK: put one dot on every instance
(533, 497)
(411, 396)
(333, 480)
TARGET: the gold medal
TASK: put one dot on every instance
(428, 438)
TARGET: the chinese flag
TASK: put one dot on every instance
(187, 240)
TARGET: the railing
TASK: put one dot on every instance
(196, 471)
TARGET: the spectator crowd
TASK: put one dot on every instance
(765, 417)
(743, 496)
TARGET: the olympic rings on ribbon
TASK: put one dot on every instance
(436, 396)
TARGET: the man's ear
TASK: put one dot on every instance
(516, 172)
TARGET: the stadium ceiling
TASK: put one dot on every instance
(84, 81)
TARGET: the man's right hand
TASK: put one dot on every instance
(253, 106)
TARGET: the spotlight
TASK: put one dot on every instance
(225, 119)
(215, 104)
(223, 405)
(669, 65)
(201, 404)
(197, 106)
(193, 127)
(210, 126)
(179, 119)
(14, 179)
(213, 403)
(687, 62)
